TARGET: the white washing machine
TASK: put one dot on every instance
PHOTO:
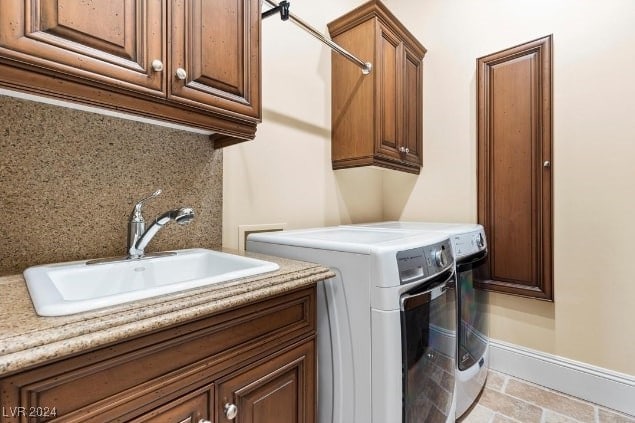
(470, 252)
(386, 322)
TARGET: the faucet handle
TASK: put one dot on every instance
(136, 212)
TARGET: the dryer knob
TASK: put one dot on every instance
(440, 257)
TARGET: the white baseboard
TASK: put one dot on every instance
(595, 384)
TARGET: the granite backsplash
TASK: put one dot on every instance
(69, 180)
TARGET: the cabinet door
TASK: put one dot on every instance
(514, 168)
(111, 42)
(389, 107)
(413, 108)
(280, 389)
(191, 408)
(215, 48)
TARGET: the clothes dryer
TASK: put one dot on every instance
(469, 246)
(384, 354)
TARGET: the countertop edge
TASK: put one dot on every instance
(33, 355)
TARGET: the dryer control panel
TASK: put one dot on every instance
(469, 243)
(421, 263)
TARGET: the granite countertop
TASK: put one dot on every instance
(27, 339)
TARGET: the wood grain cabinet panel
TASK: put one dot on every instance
(192, 62)
(174, 375)
(109, 42)
(377, 118)
(217, 44)
(413, 107)
(279, 390)
(190, 408)
(514, 177)
(389, 66)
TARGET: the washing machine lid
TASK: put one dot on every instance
(351, 239)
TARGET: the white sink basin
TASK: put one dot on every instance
(67, 288)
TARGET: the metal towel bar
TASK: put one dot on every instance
(283, 8)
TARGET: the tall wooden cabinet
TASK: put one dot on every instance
(515, 168)
(377, 118)
(189, 62)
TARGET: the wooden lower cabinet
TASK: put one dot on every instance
(272, 392)
(259, 358)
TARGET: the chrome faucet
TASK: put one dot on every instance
(139, 236)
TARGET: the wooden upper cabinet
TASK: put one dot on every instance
(377, 118)
(216, 45)
(110, 42)
(124, 54)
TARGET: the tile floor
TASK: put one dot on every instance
(507, 399)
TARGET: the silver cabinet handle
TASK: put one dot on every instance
(402, 149)
(547, 163)
(231, 411)
(181, 74)
(407, 150)
(157, 65)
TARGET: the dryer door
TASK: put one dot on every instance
(472, 307)
(428, 338)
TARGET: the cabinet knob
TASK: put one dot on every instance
(157, 65)
(231, 411)
(547, 163)
(441, 258)
(181, 74)
(402, 149)
(407, 150)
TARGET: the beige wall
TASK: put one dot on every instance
(593, 317)
(285, 175)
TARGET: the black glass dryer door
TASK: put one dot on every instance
(473, 327)
(428, 332)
